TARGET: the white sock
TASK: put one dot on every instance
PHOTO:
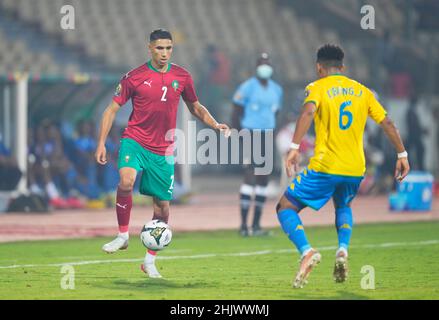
(150, 258)
(51, 190)
(306, 252)
(124, 235)
(342, 249)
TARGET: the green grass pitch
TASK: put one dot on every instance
(221, 265)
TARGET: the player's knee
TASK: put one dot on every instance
(286, 204)
(126, 183)
(278, 207)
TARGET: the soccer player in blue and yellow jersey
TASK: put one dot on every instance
(339, 107)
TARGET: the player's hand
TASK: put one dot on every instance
(292, 161)
(402, 169)
(224, 129)
(101, 154)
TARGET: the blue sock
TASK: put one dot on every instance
(292, 226)
(344, 224)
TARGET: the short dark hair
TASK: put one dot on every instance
(330, 55)
(263, 58)
(160, 34)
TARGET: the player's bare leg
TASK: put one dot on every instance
(161, 212)
(341, 265)
(123, 209)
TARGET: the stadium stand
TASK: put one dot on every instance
(115, 31)
(16, 56)
(110, 38)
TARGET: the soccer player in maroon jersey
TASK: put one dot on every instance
(155, 89)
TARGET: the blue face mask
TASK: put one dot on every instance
(264, 71)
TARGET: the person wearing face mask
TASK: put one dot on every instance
(255, 105)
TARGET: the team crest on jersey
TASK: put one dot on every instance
(118, 90)
(175, 85)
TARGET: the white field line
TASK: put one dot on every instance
(213, 255)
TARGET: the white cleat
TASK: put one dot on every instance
(150, 270)
(341, 266)
(119, 243)
(307, 263)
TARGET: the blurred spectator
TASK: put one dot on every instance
(216, 77)
(381, 156)
(415, 133)
(436, 117)
(39, 176)
(219, 66)
(85, 146)
(49, 168)
(108, 174)
(9, 172)
(374, 160)
(61, 168)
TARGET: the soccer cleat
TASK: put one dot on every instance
(119, 243)
(258, 232)
(150, 270)
(341, 266)
(243, 231)
(307, 263)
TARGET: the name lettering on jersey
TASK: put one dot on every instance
(148, 83)
(336, 91)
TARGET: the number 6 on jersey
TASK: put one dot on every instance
(344, 113)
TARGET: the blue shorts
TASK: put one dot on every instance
(313, 189)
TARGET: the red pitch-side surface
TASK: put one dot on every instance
(206, 212)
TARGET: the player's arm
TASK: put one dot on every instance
(106, 123)
(302, 126)
(402, 164)
(200, 112)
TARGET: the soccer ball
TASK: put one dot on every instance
(156, 235)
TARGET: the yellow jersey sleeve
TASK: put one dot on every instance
(312, 94)
(376, 111)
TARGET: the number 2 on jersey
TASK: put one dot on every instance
(165, 90)
(343, 114)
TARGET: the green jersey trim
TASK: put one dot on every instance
(154, 69)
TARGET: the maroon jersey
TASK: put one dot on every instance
(155, 97)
